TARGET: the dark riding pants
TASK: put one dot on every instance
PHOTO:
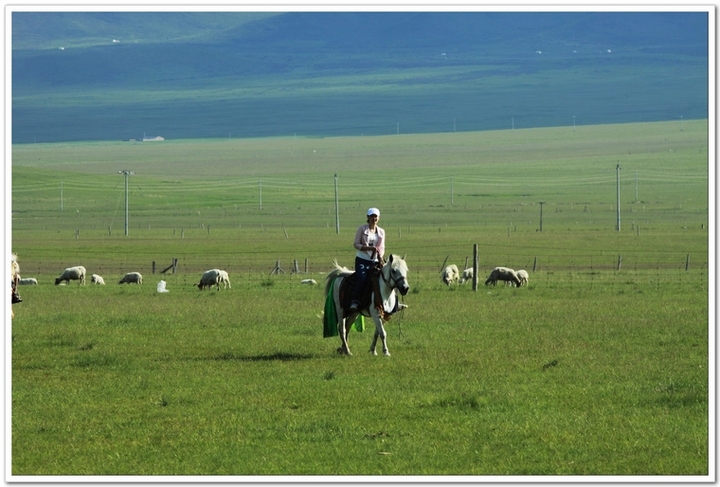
(362, 269)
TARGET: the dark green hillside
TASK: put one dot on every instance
(187, 75)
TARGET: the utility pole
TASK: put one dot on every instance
(618, 196)
(61, 197)
(260, 182)
(541, 218)
(126, 173)
(636, 188)
(337, 209)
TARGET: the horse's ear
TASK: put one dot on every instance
(391, 258)
(403, 257)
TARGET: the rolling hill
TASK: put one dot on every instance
(119, 75)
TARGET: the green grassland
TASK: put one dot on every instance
(590, 370)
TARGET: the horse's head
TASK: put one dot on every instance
(398, 271)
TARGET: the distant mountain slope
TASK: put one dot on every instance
(105, 75)
(50, 30)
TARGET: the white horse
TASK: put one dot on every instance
(392, 276)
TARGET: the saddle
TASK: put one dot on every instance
(371, 286)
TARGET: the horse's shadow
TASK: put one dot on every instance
(271, 357)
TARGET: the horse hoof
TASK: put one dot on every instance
(373, 352)
(386, 353)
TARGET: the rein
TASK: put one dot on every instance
(382, 275)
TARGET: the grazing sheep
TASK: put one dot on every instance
(467, 275)
(76, 273)
(450, 274)
(523, 276)
(95, 279)
(131, 277)
(209, 279)
(224, 279)
(311, 282)
(502, 274)
(24, 281)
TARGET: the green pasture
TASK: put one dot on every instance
(599, 367)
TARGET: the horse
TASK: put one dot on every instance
(392, 276)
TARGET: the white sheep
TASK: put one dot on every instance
(209, 279)
(523, 276)
(502, 274)
(467, 275)
(450, 274)
(311, 282)
(130, 278)
(25, 281)
(76, 273)
(224, 279)
(95, 279)
(161, 287)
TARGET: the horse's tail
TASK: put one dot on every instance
(337, 271)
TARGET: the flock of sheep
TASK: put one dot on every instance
(219, 277)
(78, 272)
(451, 275)
(213, 277)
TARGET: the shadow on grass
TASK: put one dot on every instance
(279, 356)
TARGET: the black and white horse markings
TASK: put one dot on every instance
(393, 275)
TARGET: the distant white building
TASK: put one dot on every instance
(153, 139)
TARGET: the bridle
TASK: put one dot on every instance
(387, 283)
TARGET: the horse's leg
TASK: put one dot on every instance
(379, 332)
(344, 328)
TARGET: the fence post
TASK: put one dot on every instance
(153, 267)
(534, 264)
(619, 264)
(475, 267)
(687, 262)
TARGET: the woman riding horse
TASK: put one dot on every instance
(370, 245)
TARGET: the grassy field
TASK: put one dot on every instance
(591, 370)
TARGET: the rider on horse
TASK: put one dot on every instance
(370, 245)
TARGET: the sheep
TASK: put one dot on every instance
(523, 276)
(450, 274)
(95, 279)
(467, 275)
(24, 281)
(131, 277)
(311, 282)
(76, 273)
(161, 287)
(502, 274)
(209, 279)
(224, 279)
